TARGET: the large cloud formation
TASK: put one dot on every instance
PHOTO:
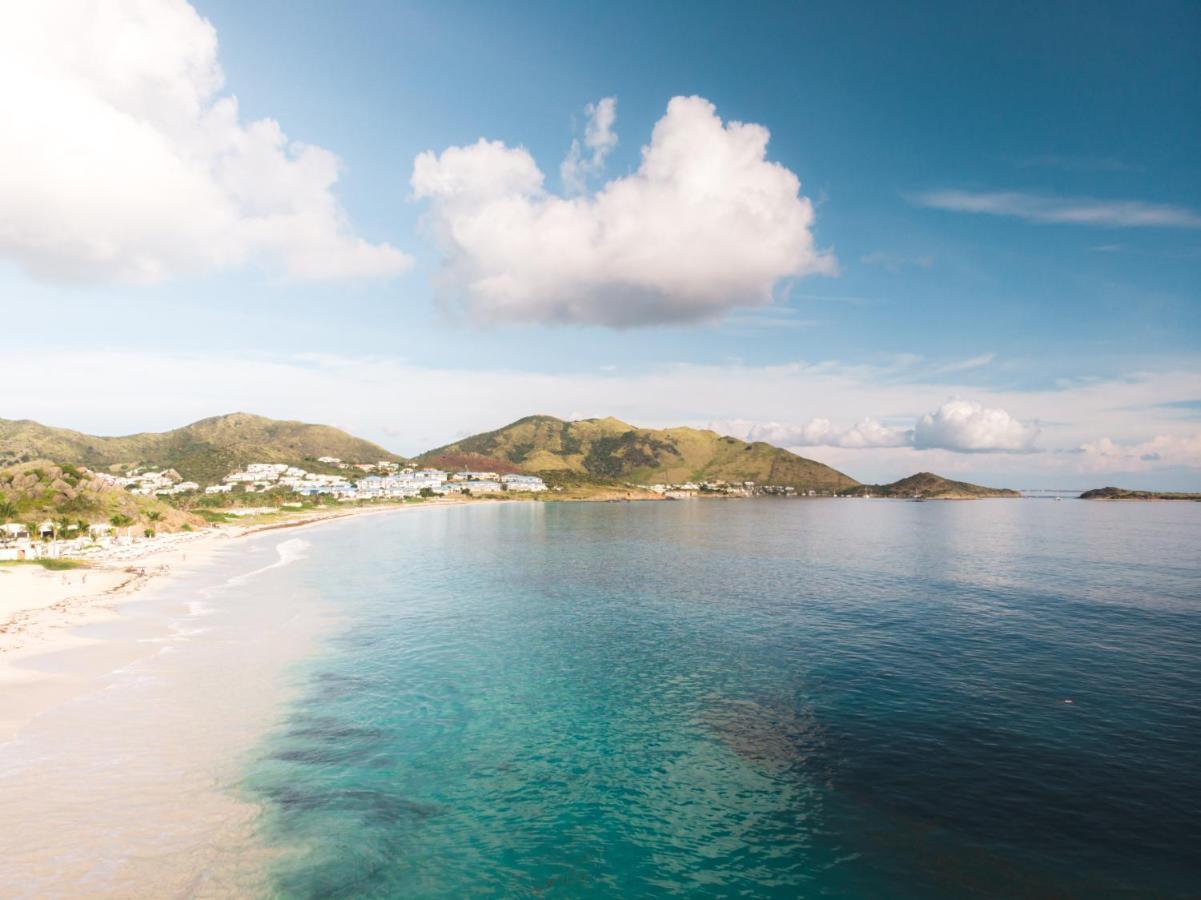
(705, 224)
(968, 427)
(121, 161)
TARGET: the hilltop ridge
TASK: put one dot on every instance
(610, 449)
(584, 459)
(203, 451)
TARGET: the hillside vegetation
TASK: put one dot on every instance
(928, 486)
(609, 450)
(35, 491)
(1114, 493)
(204, 451)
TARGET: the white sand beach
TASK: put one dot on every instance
(42, 610)
(127, 712)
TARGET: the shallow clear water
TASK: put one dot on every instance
(765, 698)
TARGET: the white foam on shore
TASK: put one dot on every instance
(199, 608)
(289, 552)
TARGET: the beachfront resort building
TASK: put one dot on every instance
(477, 486)
(516, 482)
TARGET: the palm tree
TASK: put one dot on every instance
(8, 510)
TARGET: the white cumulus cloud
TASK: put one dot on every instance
(599, 138)
(705, 224)
(122, 160)
(968, 427)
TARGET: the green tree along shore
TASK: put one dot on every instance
(204, 451)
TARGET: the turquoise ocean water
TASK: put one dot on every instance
(745, 698)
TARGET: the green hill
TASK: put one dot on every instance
(204, 451)
(611, 451)
(34, 491)
(928, 486)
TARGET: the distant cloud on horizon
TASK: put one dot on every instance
(1050, 209)
(961, 426)
(1140, 436)
(1106, 455)
(821, 432)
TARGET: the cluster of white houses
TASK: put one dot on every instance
(391, 482)
(416, 482)
(19, 541)
(686, 489)
(388, 480)
(147, 484)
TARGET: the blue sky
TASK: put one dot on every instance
(1005, 213)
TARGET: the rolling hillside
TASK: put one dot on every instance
(204, 451)
(928, 486)
(609, 450)
(34, 491)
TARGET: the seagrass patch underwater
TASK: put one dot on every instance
(768, 698)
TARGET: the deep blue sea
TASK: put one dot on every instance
(765, 698)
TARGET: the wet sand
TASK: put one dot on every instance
(41, 611)
(126, 781)
(127, 713)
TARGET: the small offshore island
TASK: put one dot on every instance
(1114, 493)
(928, 486)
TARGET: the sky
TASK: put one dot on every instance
(889, 237)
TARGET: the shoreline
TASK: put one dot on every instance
(43, 611)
